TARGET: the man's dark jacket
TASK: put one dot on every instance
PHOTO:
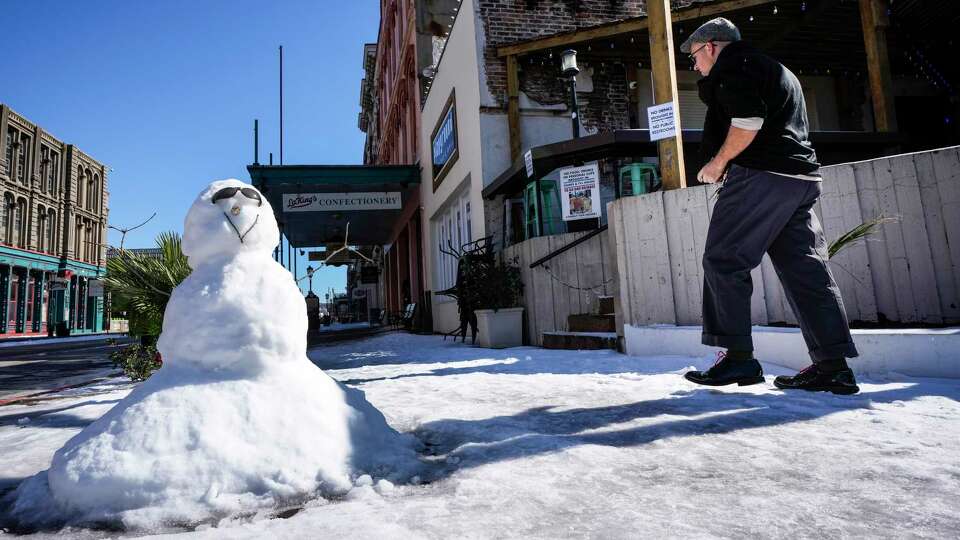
(745, 83)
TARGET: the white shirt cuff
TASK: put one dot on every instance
(752, 124)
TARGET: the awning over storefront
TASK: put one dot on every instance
(832, 147)
(314, 203)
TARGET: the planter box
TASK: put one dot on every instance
(500, 329)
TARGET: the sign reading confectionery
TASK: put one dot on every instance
(341, 202)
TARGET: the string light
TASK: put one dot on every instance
(775, 10)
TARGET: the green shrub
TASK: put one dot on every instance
(137, 361)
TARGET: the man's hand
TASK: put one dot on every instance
(712, 172)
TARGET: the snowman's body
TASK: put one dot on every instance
(238, 417)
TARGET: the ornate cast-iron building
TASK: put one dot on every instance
(53, 221)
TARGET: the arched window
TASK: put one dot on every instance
(88, 192)
(80, 184)
(95, 198)
(51, 231)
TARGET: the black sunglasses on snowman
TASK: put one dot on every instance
(228, 192)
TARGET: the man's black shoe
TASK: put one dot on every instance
(815, 380)
(728, 371)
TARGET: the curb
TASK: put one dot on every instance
(41, 345)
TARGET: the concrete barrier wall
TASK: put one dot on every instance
(908, 272)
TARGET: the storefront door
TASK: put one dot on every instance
(12, 302)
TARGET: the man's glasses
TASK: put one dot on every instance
(228, 192)
(693, 55)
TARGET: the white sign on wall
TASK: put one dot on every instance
(580, 192)
(528, 162)
(662, 122)
(340, 202)
(95, 287)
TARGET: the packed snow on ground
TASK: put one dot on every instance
(534, 443)
(238, 418)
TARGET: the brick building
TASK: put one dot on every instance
(53, 223)
(411, 35)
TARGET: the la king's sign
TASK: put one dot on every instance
(340, 202)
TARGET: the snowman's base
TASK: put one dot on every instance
(183, 447)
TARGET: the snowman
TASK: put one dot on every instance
(237, 418)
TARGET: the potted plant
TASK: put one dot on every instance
(499, 314)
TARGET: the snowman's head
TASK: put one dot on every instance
(228, 217)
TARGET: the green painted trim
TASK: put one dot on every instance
(27, 259)
(85, 270)
(338, 176)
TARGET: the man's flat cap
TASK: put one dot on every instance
(718, 29)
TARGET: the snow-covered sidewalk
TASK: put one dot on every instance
(535, 443)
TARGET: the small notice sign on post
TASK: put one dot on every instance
(528, 161)
(580, 192)
(662, 122)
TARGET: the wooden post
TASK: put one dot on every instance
(873, 17)
(513, 107)
(665, 90)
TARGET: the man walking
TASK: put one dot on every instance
(755, 141)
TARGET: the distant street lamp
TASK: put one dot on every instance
(569, 69)
(310, 277)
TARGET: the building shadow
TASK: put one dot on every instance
(546, 430)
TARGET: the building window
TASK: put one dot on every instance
(77, 240)
(41, 229)
(51, 231)
(28, 312)
(44, 163)
(95, 194)
(19, 219)
(6, 212)
(88, 243)
(80, 183)
(13, 301)
(23, 159)
(91, 192)
(53, 173)
(451, 228)
(12, 138)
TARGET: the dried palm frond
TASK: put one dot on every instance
(858, 233)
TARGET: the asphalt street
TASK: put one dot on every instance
(24, 372)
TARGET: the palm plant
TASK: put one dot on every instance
(141, 284)
(858, 233)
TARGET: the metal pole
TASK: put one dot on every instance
(575, 115)
(256, 141)
(281, 104)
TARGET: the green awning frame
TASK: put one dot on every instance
(312, 229)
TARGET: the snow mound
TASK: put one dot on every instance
(238, 418)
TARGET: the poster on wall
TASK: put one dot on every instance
(580, 192)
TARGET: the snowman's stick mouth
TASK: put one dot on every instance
(236, 230)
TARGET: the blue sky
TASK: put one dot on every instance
(165, 92)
